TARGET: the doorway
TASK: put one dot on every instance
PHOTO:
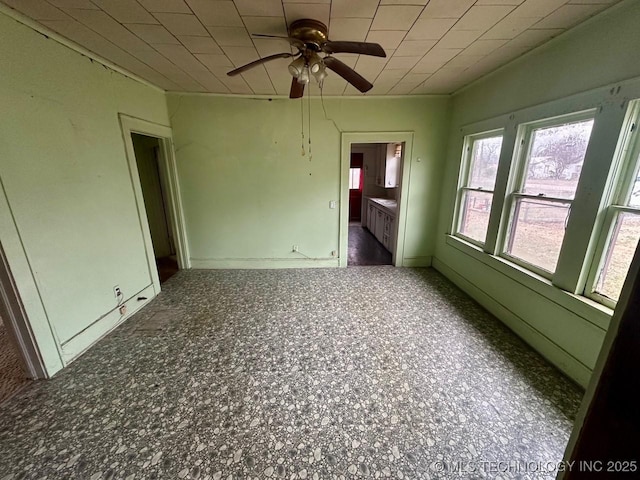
(156, 200)
(154, 177)
(374, 190)
(13, 376)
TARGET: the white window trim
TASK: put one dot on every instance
(521, 158)
(463, 178)
(627, 166)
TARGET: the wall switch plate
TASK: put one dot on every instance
(332, 204)
(294, 248)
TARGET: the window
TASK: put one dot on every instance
(354, 178)
(478, 178)
(621, 231)
(550, 164)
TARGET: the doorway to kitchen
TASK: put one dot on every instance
(374, 184)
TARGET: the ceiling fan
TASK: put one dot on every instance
(311, 40)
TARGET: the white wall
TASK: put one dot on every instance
(564, 74)
(68, 220)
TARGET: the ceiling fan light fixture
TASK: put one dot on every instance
(304, 77)
(315, 63)
(320, 74)
(296, 67)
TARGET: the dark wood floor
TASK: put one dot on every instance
(167, 267)
(364, 249)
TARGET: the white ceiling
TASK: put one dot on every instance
(433, 46)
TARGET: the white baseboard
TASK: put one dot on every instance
(417, 261)
(264, 263)
(77, 345)
(543, 345)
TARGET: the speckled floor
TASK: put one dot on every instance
(329, 373)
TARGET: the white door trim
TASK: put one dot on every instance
(345, 160)
(168, 169)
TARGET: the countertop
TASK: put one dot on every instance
(388, 204)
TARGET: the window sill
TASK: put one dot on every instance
(592, 311)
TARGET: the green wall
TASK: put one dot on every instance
(68, 219)
(569, 70)
(249, 195)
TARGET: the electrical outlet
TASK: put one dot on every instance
(117, 292)
(294, 248)
(334, 253)
(123, 309)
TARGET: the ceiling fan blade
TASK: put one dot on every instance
(348, 73)
(246, 67)
(297, 89)
(362, 48)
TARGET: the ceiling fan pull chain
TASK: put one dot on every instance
(309, 112)
(302, 124)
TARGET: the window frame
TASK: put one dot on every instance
(463, 179)
(626, 164)
(521, 159)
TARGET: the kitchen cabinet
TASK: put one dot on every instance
(381, 218)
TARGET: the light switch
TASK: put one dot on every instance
(332, 204)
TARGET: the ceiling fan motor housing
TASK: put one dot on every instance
(310, 32)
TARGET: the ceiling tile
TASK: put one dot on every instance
(236, 84)
(389, 39)
(482, 18)
(241, 55)
(594, 2)
(213, 62)
(152, 33)
(200, 44)
(351, 9)
(87, 4)
(105, 25)
(167, 6)
(483, 47)
(538, 8)
(216, 13)
(347, 58)
(568, 16)
(533, 38)
(266, 25)
(231, 36)
(430, 28)
(209, 81)
(259, 81)
(435, 59)
(510, 27)
(397, 62)
(446, 8)
(370, 67)
(463, 60)
(395, 17)
(499, 2)
(316, 11)
(404, 2)
(259, 8)
(128, 11)
(459, 38)
(414, 47)
(271, 46)
(37, 9)
(182, 24)
(180, 56)
(349, 29)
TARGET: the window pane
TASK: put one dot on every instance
(624, 241)
(484, 163)
(354, 178)
(556, 158)
(476, 207)
(537, 232)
